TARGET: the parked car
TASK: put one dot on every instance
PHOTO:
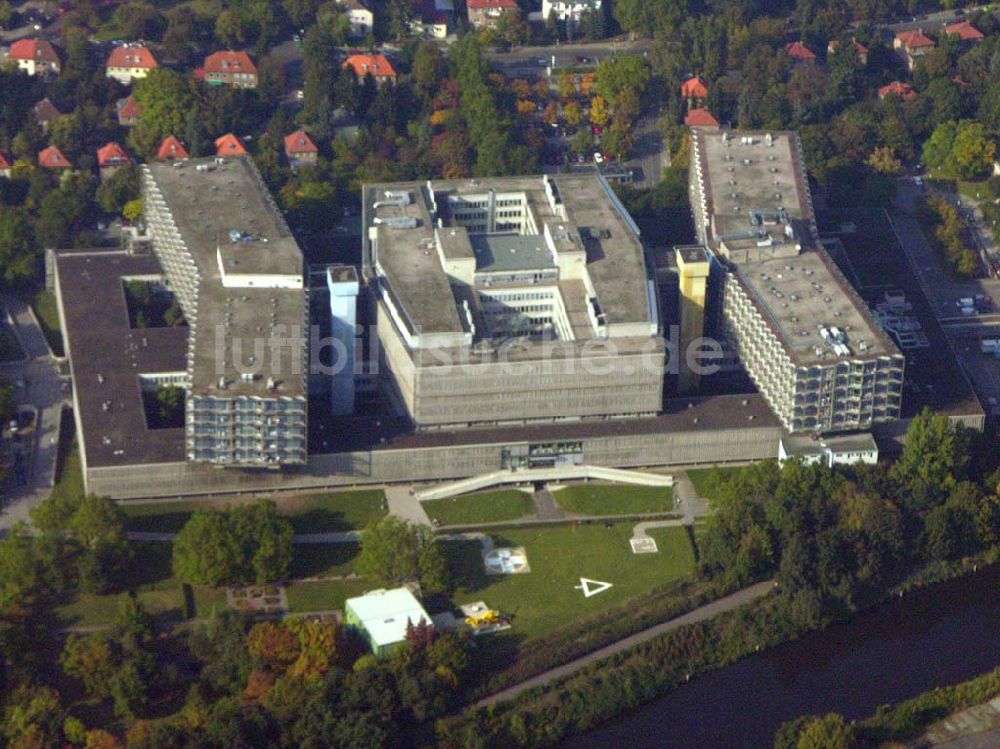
(582, 60)
(598, 157)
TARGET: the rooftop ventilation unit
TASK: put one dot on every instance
(397, 222)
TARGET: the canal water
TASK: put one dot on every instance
(936, 636)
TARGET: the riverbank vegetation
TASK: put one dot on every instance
(891, 723)
(836, 541)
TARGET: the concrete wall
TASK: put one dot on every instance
(430, 464)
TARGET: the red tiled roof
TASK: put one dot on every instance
(199, 74)
(33, 49)
(112, 154)
(4, 164)
(903, 90)
(490, 4)
(171, 149)
(694, 88)
(229, 62)
(129, 107)
(914, 39)
(299, 142)
(964, 31)
(44, 111)
(858, 46)
(377, 65)
(229, 145)
(131, 56)
(52, 158)
(800, 52)
(700, 118)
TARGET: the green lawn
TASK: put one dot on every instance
(314, 513)
(324, 596)
(324, 560)
(69, 482)
(47, 313)
(482, 507)
(614, 499)
(545, 598)
(706, 480)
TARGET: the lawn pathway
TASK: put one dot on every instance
(703, 613)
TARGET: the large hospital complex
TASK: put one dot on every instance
(518, 322)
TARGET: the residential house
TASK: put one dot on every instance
(432, 18)
(300, 149)
(965, 31)
(229, 145)
(128, 111)
(859, 48)
(53, 158)
(701, 118)
(110, 158)
(44, 112)
(34, 56)
(377, 66)
(694, 92)
(4, 167)
(484, 14)
(228, 68)
(569, 11)
(912, 45)
(361, 19)
(901, 90)
(130, 61)
(800, 53)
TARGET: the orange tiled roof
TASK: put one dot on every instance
(700, 118)
(964, 31)
(33, 49)
(299, 142)
(227, 61)
(694, 88)
(132, 56)
(129, 108)
(229, 145)
(800, 52)
(915, 39)
(52, 158)
(171, 149)
(903, 90)
(377, 65)
(112, 154)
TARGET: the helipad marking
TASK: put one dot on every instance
(588, 591)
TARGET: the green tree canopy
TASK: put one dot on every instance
(394, 551)
(166, 99)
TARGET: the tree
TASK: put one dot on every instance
(89, 659)
(616, 75)
(33, 711)
(600, 113)
(931, 460)
(19, 568)
(828, 732)
(265, 539)
(166, 99)
(884, 161)
(132, 210)
(394, 551)
(97, 522)
(17, 258)
(119, 189)
(572, 114)
(206, 551)
(170, 405)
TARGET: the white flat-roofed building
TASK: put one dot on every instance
(569, 10)
(382, 616)
(509, 300)
(238, 275)
(803, 334)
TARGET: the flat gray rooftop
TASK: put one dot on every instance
(796, 286)
(224, 209)
(510, 252)
(408, 257)
(107, 356)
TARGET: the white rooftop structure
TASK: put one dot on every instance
(384, 614)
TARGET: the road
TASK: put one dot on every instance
(537, 59)
(730, 602)
(932, 23)
(43, 390)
